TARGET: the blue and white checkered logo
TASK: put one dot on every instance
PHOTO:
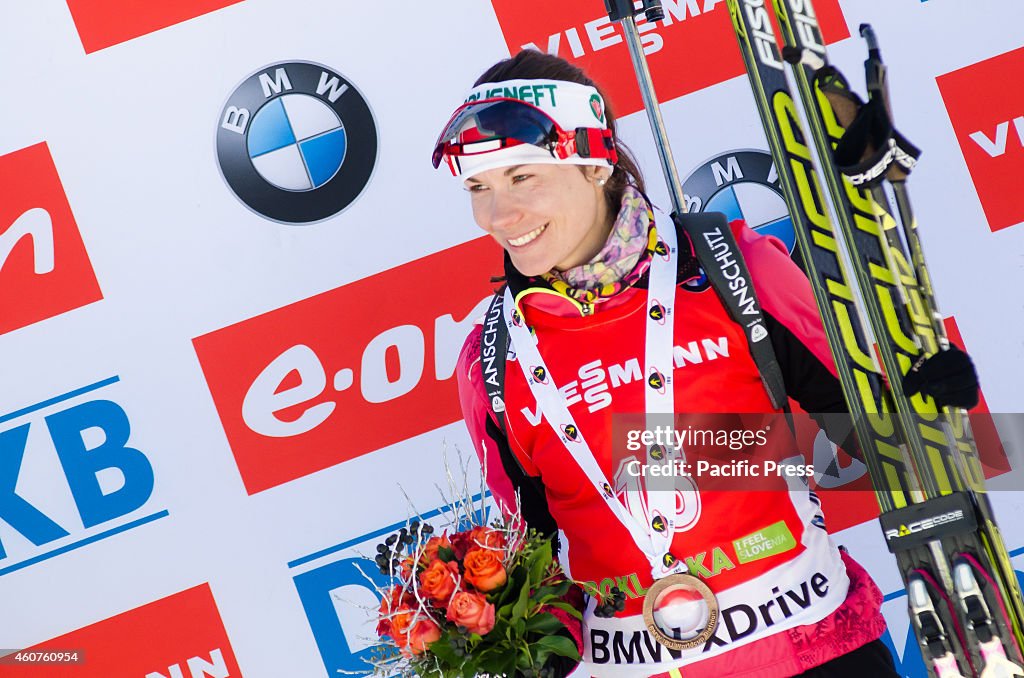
(743, 185)
(297, 142)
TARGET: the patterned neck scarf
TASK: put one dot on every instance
(624, 258)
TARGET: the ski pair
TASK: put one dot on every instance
(963, 595)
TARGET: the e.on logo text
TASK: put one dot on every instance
(693, 47)
(988, 118)
(180, 636)
(348, 371)
(44, 268)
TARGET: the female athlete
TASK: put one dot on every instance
(603, 313)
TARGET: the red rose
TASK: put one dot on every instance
(484, 569)
(478, 537)
(472, 611)
(439, 580)
(407, 568)
(423, 633)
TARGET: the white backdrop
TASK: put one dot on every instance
(146, 516)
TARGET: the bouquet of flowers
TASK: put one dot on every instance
(483, 600)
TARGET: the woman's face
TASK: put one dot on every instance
(545, 216)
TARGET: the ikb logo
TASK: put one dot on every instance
(579, 30)
(44, 268)
(341, 604)
(191, 642)
(348, 371)
(70, 474)
(988, 119)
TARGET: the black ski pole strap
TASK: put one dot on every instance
(720, 257)
(870, 149)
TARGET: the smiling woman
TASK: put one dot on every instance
(594, 323)
(545, 216)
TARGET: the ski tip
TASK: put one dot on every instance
(863, 28)
(791, 54)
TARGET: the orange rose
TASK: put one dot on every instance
(487, 537)
(472, 611)
(438, 581)
(423, 633)
(401, 620)
(484, 569)
(390, 604)
(407, 568)
(431, 547)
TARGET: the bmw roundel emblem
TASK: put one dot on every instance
(296, 142)
(744, 185)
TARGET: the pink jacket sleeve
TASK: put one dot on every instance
(476, 411)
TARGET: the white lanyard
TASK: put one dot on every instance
(658, 396)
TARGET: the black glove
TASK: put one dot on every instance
(948, 377)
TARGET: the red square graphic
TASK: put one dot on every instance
(102, 23)
(986, 106)
(44, 268)
(183, 630)
(348, 371)
(692, 48)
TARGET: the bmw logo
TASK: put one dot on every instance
(744, 185)
(296, 142)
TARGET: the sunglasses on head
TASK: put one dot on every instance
(491, 124)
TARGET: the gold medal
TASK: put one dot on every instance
(680, 611)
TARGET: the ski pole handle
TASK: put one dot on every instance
(868, 33)
(623, 12)
(620, 9)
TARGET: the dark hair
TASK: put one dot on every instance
(530, 64)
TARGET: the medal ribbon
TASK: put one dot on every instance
(653, 535)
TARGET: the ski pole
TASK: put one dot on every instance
(623, 12)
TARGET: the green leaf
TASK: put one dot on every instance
(505, 611)
(442, 649)
(562, 587)
(566, 607)
(524, 659)
(516, 581)
(546, 593)
(488, 659)
(506, 665)
(552, 591)
(560, 645)
(539, 561)
(544, 623)
(445, 554)
(519, 609)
